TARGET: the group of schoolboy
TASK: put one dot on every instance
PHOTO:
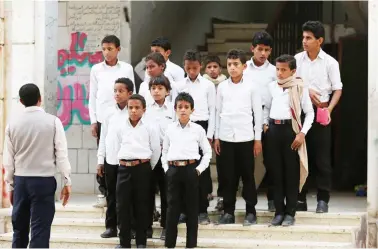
(163, 136)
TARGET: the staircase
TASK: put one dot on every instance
(80, 226)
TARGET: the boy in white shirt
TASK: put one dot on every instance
(286, 154)
(262, 72)
(204, 94)
(321, 71)
(101, 96)
(213, 70)
(238, 106)
(108, 149)
(163, 46)
(138, 154)
(180, 157)
(160, 113)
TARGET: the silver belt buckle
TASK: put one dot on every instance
(181, 163)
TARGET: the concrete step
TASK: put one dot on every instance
(237, 31)
(259, 231)
(70, 240)
(220, 45)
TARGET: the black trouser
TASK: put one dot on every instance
(237, 160)
(100, 180)
(283, 163)
(220, 180)
(33, 205)
(318, 141)
(111, 172)
(205, 182)
(182, 185)
(133, 194)
(268, 178)
(158, 179)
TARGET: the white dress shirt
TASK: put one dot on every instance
(161, 116)
(278, 106)
(204, 96)
(321, 74)
(109, 145)
(102, 80)
(262, 76)
(26, 154)
(146, 93)
(236, 107)
(173, 70)
(184, 144)
(139, 142)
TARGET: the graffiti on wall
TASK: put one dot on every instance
(74, 66)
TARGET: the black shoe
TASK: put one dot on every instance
(203, 219)
(109, 233)
(322, 207)
(219, 205)
(182, 218)
(133, 234)
(250, 219)
(149, 233)
(141, 246)
(162, 235)
(226, 219)
(288, 221)
(301, 206)
(271, 207)
(277, 220)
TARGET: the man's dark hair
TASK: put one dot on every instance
(183, 96)
(192, 55)
(237, 54)
(286, 58)
(29, 94)
(111, 39)
(127, 82)
(140, 98)
(314, 27)
(210, 59)
(156, 57)
(160, 81)
(263, 38)
(161, 42)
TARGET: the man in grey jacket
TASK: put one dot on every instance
(35, 146)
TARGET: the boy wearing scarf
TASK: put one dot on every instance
(285, 138)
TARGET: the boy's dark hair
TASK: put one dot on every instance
(237, 54)
(286, 58)
(160, 81)
(127, 82)
(140, 98)
(183, 96)
(29, 94)
(156, 57)
(263, 38)
(210, 59)
(111, 39)
(161, 42)
(314, 27)
(192, 55)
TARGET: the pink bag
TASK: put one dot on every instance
(322, 116)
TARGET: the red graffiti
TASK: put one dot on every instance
(68, 60)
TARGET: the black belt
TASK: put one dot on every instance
(279, 121)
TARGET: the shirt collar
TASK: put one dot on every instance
(230, 81)
(165, 104)
(119, 109)
(187, 125)
(141, 122)
(118, 64)
(252, 64)
(321, 55)
(33, 109)
(198, 80)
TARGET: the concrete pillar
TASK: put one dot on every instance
(372, 197)
(31, 33)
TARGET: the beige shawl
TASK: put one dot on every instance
(295, 86)
(216, 81)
